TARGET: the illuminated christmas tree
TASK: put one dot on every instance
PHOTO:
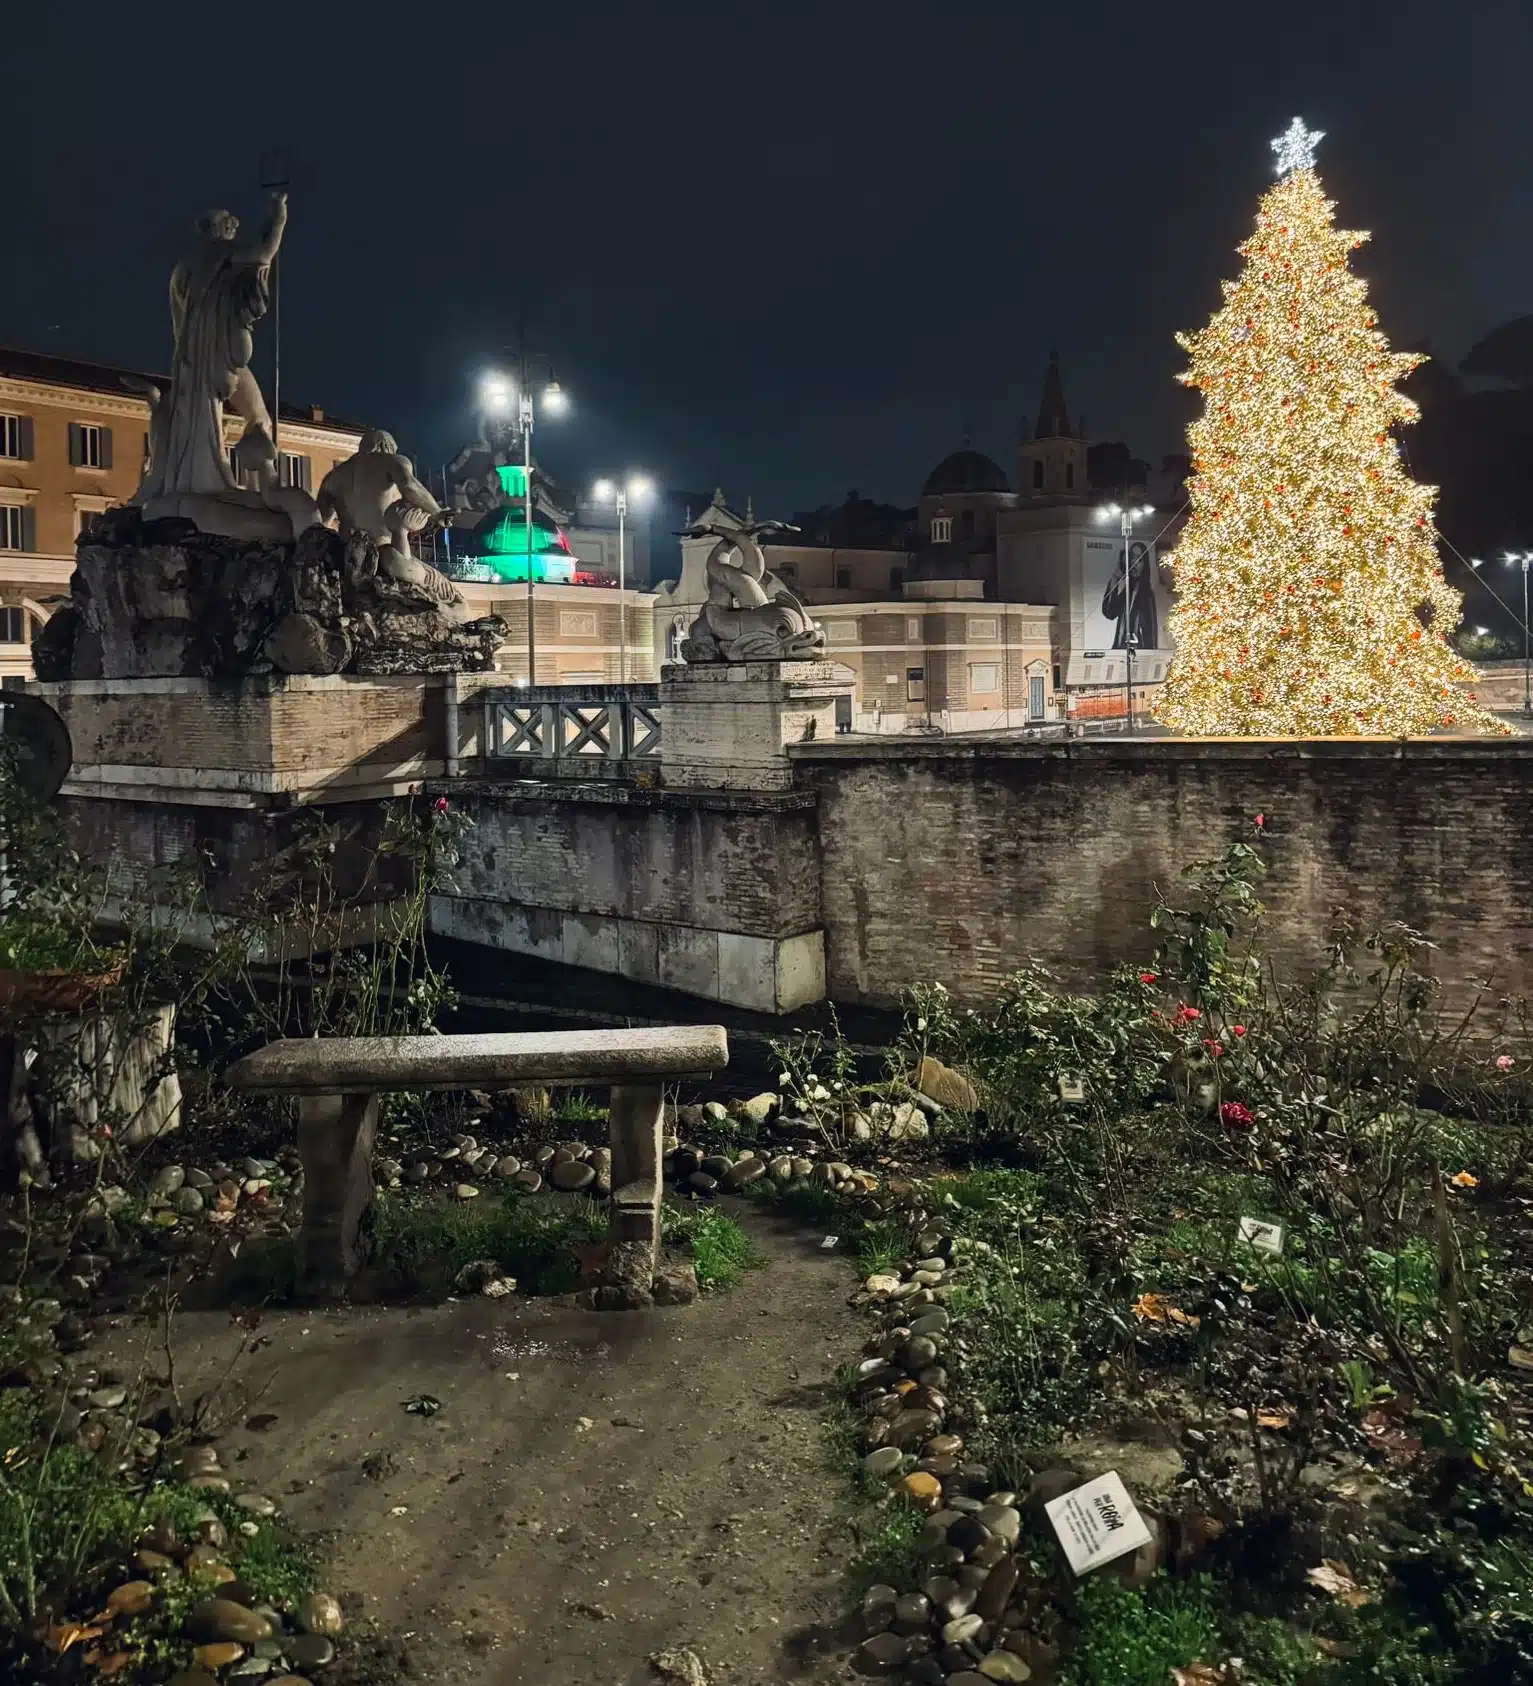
(1310, 598)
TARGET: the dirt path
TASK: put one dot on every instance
(595, 1487)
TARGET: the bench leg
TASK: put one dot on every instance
(335, 1143)
(634, 1132)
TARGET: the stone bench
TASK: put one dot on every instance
(337, 1082)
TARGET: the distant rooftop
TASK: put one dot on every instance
(49, 370)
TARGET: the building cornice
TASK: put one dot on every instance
(81, 399)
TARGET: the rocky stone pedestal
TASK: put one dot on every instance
(728, 725)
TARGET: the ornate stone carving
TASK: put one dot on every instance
(160, 599)
(217, 295)
(375, 493)
(750, 614)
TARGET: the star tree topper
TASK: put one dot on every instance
(1295, 147)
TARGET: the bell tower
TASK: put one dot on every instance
(1052, 464)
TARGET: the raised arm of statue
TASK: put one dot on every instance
(265, 249)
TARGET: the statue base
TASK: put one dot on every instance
(160, 599)
(728, 725)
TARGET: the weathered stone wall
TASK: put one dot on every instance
(723, 862)
(958, 863)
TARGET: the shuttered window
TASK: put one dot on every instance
(16, 438)
(15, 626)
(296, 470)
(90, 446)
(18, 527)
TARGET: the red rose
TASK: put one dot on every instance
(441, 804)
(1261, 820)
(1187, 1015)
(1147, 977)
(1239, 1029)
(1235, 1116)
(1215, 1048)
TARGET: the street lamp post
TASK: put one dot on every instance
(1126, 519)
(496, 390)
(638, 488)
(1525, 558)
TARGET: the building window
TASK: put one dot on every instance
(966, 524)
(912, 629)
(89, 446)
(296, 470)
(18, 527)
(1038, 475)
(896, 579)
(915, 684)
(15, 626)
(843, 579)
(1059, 683)
(1069, 476)
(984, 676)
(942, 529)
(16, 437)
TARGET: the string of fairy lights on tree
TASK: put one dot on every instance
(1310, 596)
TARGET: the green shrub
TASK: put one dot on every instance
(722, 1251)
(424, 1246)
(1129, 1638)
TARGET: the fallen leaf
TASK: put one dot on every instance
(1465, 1179)
(64, 1634)
(1175, 1314)
(1151, 1308)
(1336, 1578)
(423, 1405)
(1274, 1418)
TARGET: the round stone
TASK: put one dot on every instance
(1005, 1665)
(310, 1650)
(702, 1183)
(920, 1350)
(913, 1612)
(191, 1677)
(528, 1179)
(507, 1166)
(168, 1179)
(880, 1282)
(943, 1446)
(962, 1629)
(883, 1463)
(878, 1604)
(572, 1175)
(1002, 1520)
(930, 1322)
(923, 1490)
(219, 1654)
(219, 1619)
(967, 1534)
(256, 1503)
(911, 1428)
(187, 1201)
(883, 1653)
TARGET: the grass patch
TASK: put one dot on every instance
(575, 1106)
(722, 1251)
(886, 1548)
(424, 1246)
(1136, 1638)
(882, 1245)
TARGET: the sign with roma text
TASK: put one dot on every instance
(1097, 1523)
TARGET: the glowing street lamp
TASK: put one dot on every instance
(496, 391)
(1525, 558)
(1126, 519)
(640, 488)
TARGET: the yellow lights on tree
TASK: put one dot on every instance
(1310, 598)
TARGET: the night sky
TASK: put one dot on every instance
(787, 249)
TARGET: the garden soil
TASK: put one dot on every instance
(595, 1487)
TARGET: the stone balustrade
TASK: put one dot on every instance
(337, 1082)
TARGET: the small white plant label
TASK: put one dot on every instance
(1265, 1237)
(1071, 1089)
(829, 1243)
(1097, 1523)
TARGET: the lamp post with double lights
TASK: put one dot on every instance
(497, 390)
(1126, 519)
(1525, 557)
(640, 488)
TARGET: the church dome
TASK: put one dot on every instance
(965, 471)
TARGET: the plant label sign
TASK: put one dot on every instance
(1071, 1090)
(828, 1245)
(1097, 1523)
(1265, 1237)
